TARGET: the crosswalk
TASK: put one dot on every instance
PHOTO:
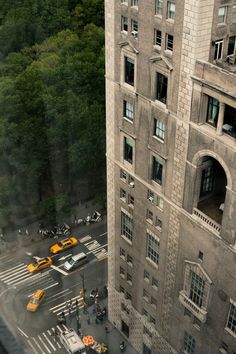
(98, 250)
(19, 275)
(46, 342)
(69, 306)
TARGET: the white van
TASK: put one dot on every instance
(72, 342)
(75, 261)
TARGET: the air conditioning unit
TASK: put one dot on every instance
(134, 34)
(131, 184)
(151, 199)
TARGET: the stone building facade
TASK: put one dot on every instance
(171, 173)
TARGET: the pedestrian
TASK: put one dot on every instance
(27, 232)
(75, 220)
(88, 320)
(106, 329)
(19, 232)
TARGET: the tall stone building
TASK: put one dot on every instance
(171, 173)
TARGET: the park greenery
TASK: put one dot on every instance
(52, 118)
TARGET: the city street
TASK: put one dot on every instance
(17, 285)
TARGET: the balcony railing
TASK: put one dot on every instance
(208, 222)
(191, 306)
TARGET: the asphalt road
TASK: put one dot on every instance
(35, 330)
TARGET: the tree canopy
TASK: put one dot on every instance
(52, 118)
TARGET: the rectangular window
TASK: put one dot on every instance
(229, 123)
(231, 322)
(130, 200)
(122, 272)
(189, 343)
(134, 26)
(128, 111)
(150, 196)
(123, 175)
(159, 129)
(157, 37)
(171, 10)
(144, 312)
(146, 349)
(129, 71)
(169, 41)
(197, 323)
(158, 223)
(145, 295)
(126, 226)
(147, 332)
(129, 260)
(146, 275)
(123, 195)
(207, 180)
(131, 181)
(128, 150)
(159, 7)
(122, 290)
(153, 246)
(234, 13)
(218, 50)
(128, 296)
(153, 302)
(157, 170)
(152, 320)
(134, 2)
(124, 24)
(149, 216)
(196, 289)
(129, 278)
(122, 253)
(212, 111)
(222, 11)
(231, 45)
(161, 88)
(155, 283)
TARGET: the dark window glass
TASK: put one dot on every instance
(128, 150)
(129, 71)
(207, 180)
(161, 93)
(212, 111)
(157, 37)
(169, 42)
(218, 50)
(196, 289)
(146, 350)
(157, 170)
(229, 123)
(231, 45)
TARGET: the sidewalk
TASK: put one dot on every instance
(112, 338)
(14, 239)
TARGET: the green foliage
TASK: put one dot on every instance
(52, 116)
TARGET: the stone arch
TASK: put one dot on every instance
(203, 153)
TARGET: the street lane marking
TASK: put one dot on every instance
(64, 303)
(22, 332)
(49, 341)
(58, 269)
(85, 238)
(29, 342)
(64, 257)
(87, 244)
(49, 351)
(102, 246)
(10, 269)
(14, 275)
(105, 233)
(28, 278)
(50, 286)
(38, 345)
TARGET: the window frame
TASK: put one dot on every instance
(129, 70)
(159, 7)
(157, 175)
(159, 129)
(127, 226)
(170, 12)
(157, 35)
(128, 110)
(134, 3)
(169, 45)
(128, 150)
(189, 343)
(161, 94)
(124, 24)
(218, 49)
(229, 328)
(152, 253)
(223, 16)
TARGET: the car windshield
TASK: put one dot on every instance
(34, 301)
(35, 264)
(60, 244)
(71, 261)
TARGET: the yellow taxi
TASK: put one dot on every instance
(63, 245)
(35, 300)
(39, 264)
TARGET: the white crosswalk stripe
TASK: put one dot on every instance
(97, 249)
(19, 275)
(46, 342)
(63, 307)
